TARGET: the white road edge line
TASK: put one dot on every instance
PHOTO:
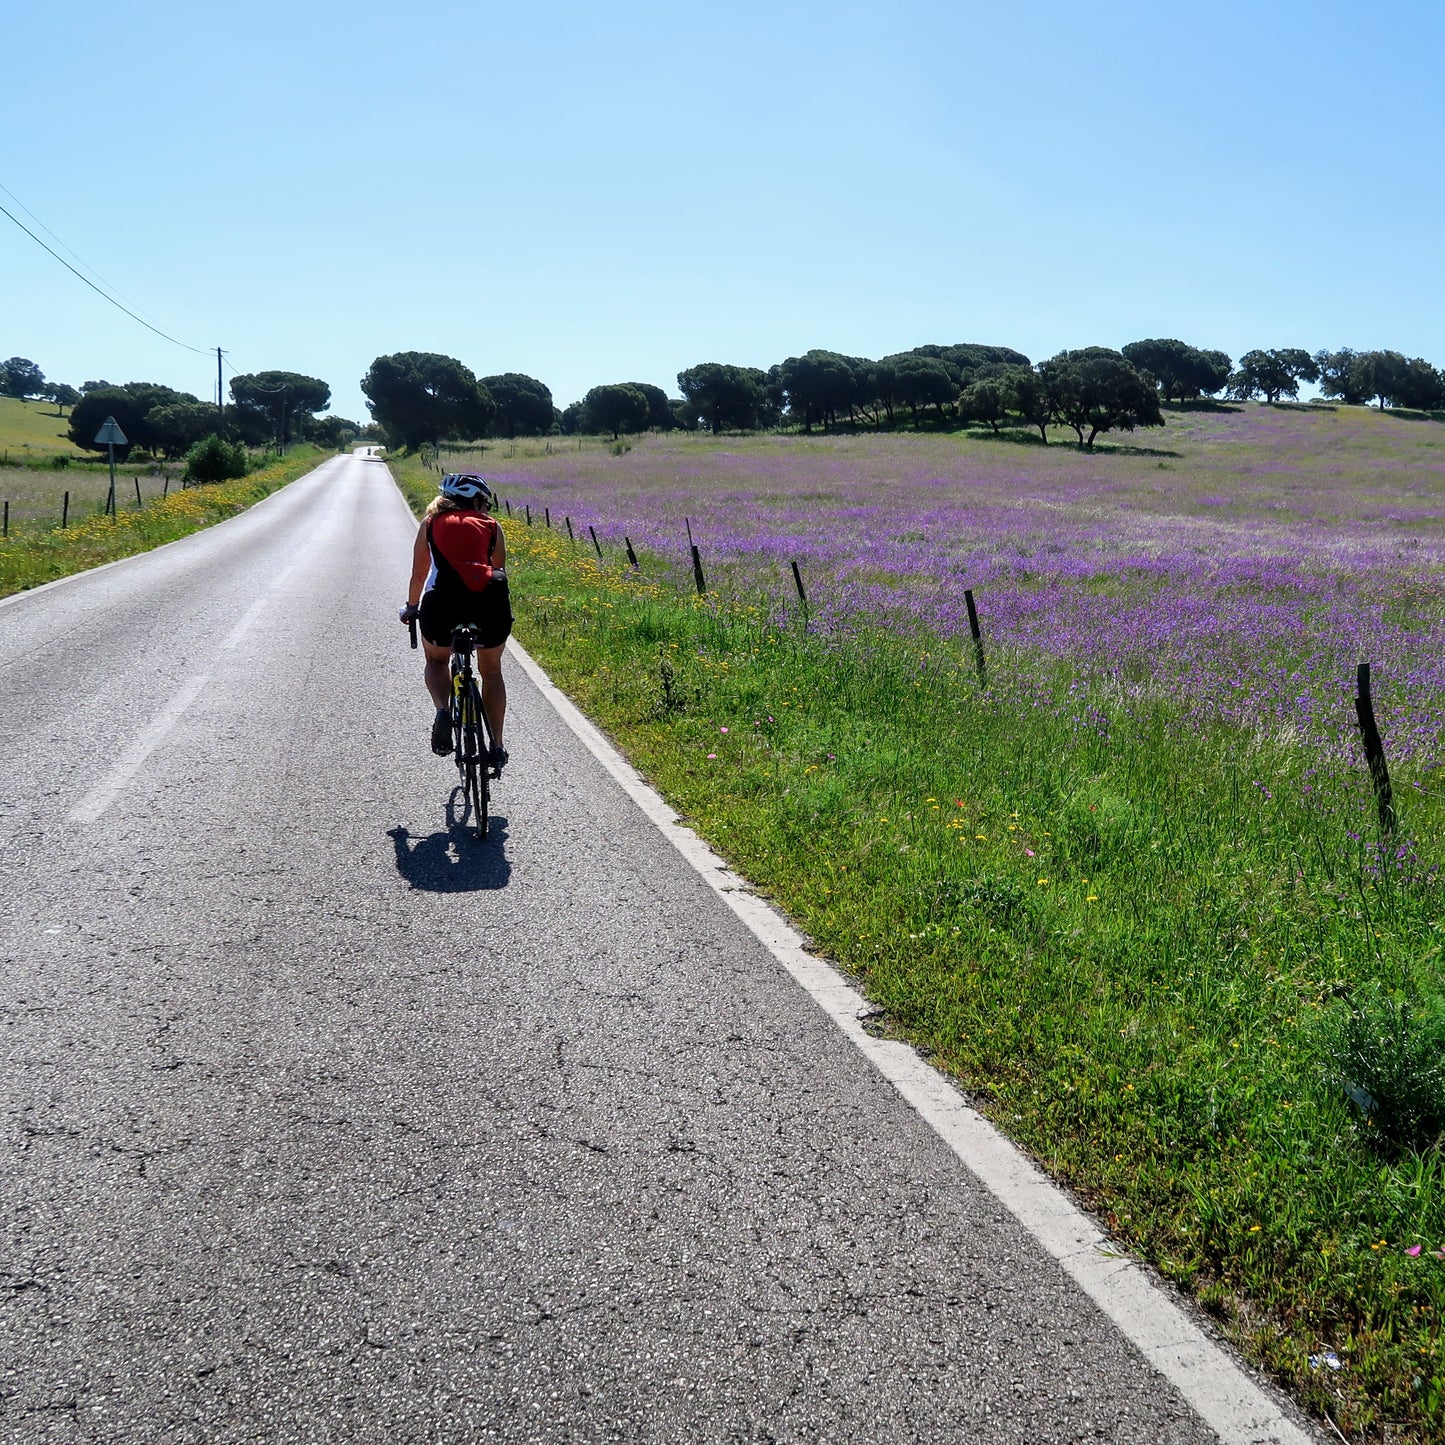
(100, 797)
(1219, 1389)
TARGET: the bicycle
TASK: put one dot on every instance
(471, 732)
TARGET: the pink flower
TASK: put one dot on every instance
(1413, 1251)
(712, 755)
(1028, 852)
(722, 730)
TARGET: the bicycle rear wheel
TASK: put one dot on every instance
(472, 757)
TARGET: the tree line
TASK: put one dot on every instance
(417, 398)
(422, 397)
(266, 408)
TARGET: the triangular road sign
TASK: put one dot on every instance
(111, 433)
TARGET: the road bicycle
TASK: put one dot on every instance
(471, 732)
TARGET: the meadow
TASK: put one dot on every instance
(39, 464)
(33, 431)
(1133, 894)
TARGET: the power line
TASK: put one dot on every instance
(200, 350)
(76, 257)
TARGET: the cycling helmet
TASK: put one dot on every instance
(467, 487)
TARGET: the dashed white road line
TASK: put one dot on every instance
(94, 804)
(100, 797)
(1239, 1409)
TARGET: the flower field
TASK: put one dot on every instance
(1243, 561)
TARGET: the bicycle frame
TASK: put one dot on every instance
(471, 732)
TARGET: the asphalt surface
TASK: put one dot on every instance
(322, 1123)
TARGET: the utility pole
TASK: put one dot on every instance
(220, 399)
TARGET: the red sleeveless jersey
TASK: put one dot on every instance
(462, 542)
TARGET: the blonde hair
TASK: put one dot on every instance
(440, 504)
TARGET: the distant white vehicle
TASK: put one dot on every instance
(375, 454)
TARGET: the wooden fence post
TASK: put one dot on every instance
(1374, 751)
(974, 628)
(595, 542)
(570, 536)
(65, 511)
(631, 555)
(697, 570)
(529, 514)
(138, 503)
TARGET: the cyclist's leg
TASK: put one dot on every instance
(437, 674)
(494, 689)
(436, 631)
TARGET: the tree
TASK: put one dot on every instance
(726, 397)
(1028, 396)
(61, 395)
(985, 400)
(924, 381)
(524, 404)
(131, 406)
(1182, 371)
(282, 398)
(616, 408)
(659, 409)
(685, 415)
(333, 431)
(1421, 387)
(1214, 373)
(178, 425)
(1338, 378)
(1380, 374)
(818, 385)
(1096, 390)
(420, 396)
(20, 377)
(1272, 374)
(970, 361)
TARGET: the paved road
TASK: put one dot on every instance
(321, 1127)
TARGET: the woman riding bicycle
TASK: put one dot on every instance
(458, 576)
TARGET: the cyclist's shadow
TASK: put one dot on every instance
(455, 860)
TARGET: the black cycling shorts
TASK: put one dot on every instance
(489, 610)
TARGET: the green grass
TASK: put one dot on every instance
(1142, 946)
(36, 495)
(42, 551)
(31, 431)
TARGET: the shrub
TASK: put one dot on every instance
(59, 463)
(1388, 1055)
(214, 460)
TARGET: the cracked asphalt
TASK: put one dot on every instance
(322, 1124)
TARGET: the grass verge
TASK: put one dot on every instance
(35, 554)
(1172, 962)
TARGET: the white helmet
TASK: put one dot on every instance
(467, 487)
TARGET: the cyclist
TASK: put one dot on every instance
(458, 575)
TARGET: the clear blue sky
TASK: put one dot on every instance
(593, 193)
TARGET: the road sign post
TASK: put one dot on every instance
(110, 436)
